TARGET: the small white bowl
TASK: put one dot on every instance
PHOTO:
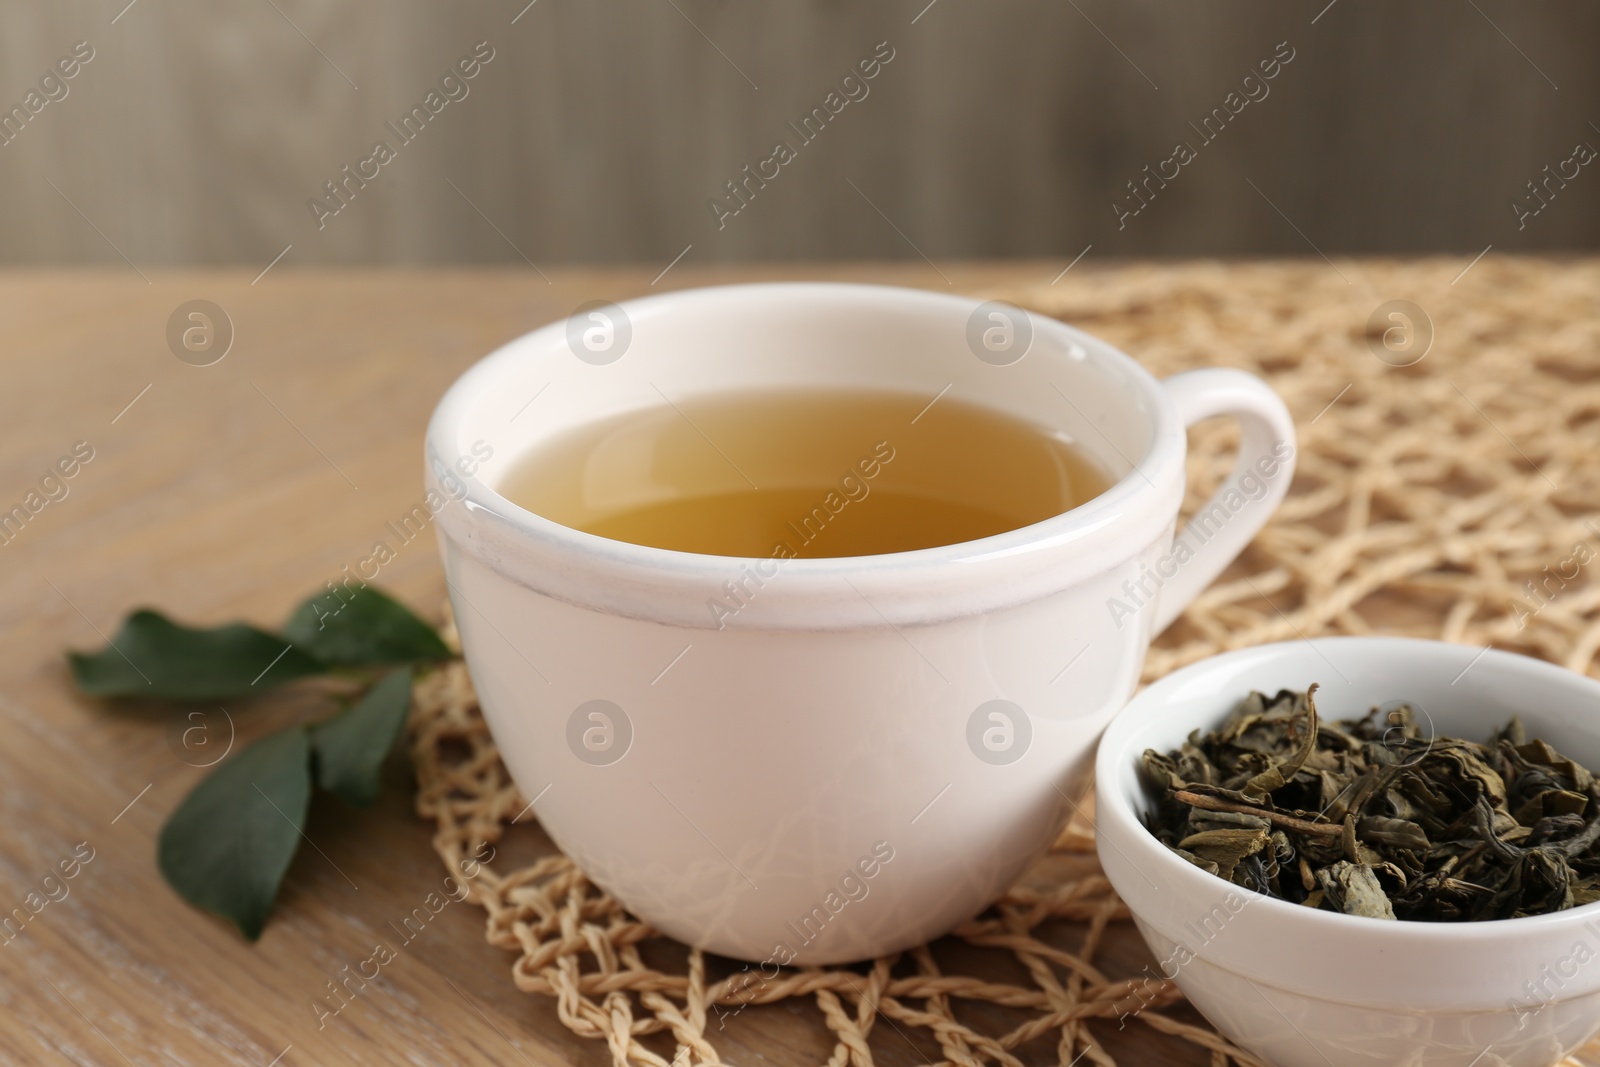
(1306, 988)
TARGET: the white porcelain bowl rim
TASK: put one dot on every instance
(1077, 542)
(1117, 772)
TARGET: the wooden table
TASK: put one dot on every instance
(232, 491)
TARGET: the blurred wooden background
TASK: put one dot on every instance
(601, 128)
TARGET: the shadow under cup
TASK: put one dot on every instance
(871, 749)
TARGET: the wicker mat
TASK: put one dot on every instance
(1447, 487)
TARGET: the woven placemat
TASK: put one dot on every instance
(1447, 487)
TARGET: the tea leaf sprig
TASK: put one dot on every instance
(230, 842)
(152, 656)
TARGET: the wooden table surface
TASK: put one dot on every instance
(232, 491)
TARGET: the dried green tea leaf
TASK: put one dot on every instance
(1399, 833)
(1227, 820)
(1278, 775)
(1355, 890)
(1372, 816)
(1225, 848)
(1162, 770)
(1551, 802)
(1205, 865)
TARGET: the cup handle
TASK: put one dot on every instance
(1222, 527)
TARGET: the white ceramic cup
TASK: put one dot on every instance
(873, 748)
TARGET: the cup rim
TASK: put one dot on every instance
(1118, 823)
(1129, 497)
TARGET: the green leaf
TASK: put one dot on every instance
(229, 843)
(362, 628)
(152, 656)
(350, 747)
